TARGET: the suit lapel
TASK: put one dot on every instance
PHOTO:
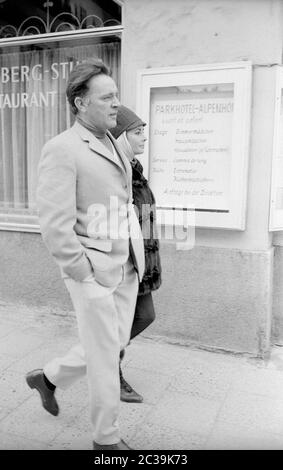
(124, 159)
(95, 144)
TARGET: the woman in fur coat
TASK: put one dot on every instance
(129, 132)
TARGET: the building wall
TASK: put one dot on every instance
(277, 310)
(164, 33)
(160, 33)
(28, 274)
(218, 295)
(216, 298)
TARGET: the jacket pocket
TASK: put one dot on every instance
(96, 243)
(106, 272)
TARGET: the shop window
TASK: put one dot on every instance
(33, 105)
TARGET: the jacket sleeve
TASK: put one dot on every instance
(56, 200)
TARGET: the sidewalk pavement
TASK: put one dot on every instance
(193, 399)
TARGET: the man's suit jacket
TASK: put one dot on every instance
(86, 215)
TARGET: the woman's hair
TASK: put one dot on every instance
(80, 76)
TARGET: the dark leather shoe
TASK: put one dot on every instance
(121, 445)
(127, 393)
(36, 380)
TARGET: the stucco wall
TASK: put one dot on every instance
(216, 298)
(28, 274)
(166, 33)
(277, 320)
(219, 294)
(163, 33)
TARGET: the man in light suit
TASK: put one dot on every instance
(89, 226)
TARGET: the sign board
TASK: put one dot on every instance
(276, 198)
(198, 140)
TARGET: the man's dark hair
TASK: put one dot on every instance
(80, 76)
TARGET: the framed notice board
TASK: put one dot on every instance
(196, 156)
(276, 197)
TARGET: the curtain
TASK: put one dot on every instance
(33, 108)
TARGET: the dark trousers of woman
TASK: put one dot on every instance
(144, 316)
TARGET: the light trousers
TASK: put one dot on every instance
(104, 317)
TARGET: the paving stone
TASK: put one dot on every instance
(154, 437)
(5, 362)
(211, 381)
(151, 385)
(18, 344)
(226, 436)
(132, 416)
(31, 421)
(275, 361)
(156, 357)
(6, 329)
(37, 358)
(256, 411)
(266, 382)
(13, 391)
(10, 441)
(76, 436)
(185, 413)
(73, 439)
(193, 399)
